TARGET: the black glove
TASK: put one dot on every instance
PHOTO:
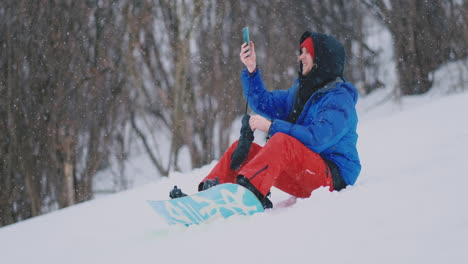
(243, 147)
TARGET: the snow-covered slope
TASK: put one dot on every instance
(408, 206)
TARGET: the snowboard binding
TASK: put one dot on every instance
(208, 184)
(176, 193)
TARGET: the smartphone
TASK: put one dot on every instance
(245, 33)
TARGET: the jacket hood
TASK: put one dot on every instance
(329, 58)
(352, 91)
(344, 85)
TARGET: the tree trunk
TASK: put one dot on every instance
(421, 33)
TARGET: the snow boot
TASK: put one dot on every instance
(208, 184)
(243, 181)
(176, 193)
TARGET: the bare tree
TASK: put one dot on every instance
(64, 77)
(185, 96)
(424, 38)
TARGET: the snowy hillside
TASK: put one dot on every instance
(408, 206)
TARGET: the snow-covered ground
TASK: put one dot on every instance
(408, 206)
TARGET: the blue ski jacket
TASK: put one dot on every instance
(327, 124)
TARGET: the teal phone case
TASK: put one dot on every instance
(245, 32)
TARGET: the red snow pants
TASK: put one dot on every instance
(284, 162)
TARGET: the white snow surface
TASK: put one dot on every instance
(409, 205)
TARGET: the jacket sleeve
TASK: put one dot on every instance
(327, 127)
(271, 105)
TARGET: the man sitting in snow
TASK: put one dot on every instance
(312, 127)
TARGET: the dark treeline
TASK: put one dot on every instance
(80, 80)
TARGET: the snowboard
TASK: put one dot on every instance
(220, 201)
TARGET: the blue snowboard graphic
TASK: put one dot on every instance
(220, 201)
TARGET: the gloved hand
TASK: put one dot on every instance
(243, 147)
